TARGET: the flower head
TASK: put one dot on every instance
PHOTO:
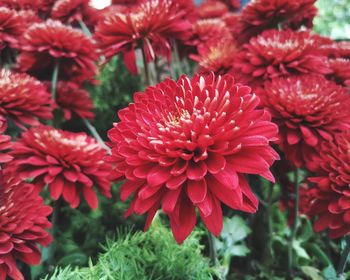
(308, 110)
(217, 58)
(212, 9)
(71, 98)
(260, 15)
(71, 164)
(23, 224)
(340, 70)
(24, 99)
(34, 5)
(275, 53)
(11, 28)
(187, 145)
(69, 10)
(331, 202)
(150, 26)
(44, 45)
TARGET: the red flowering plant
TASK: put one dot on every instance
(23, 224)
(188, 145)
(71, 164)
(150, 26)
(50, 45)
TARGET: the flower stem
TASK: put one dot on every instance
(54, 222)
(295, 222)
(85, 29)
(269, 203)
(54, 79)
(212, 249)
(343, 260)
(97, 136)
(145, 67)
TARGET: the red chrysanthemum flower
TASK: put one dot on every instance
(275, 53)
(231, 21)
(332, 194)
(71, 98)
(69, 10)
(340, 71)
(49, 43)
(71, 164)
(217, 58)
(212, 9)
(189, 144)
(12, 26)
(260, 15)
(5, 142)
(343, 49)
(29, 17)
(208, 32)
(151, 25)
(308, 110)
(24, 99)
(23, 224)
(34, 5)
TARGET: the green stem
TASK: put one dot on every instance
(85, 29)
(212, 249)
(269, 223)
(145, 67)
(343, 260)
(97, 136)
(295, 222)
(54, 79)
(54, 222)
(176, 60)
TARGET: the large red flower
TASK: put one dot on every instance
(24, 99)
(150, 26)
(260, 15)
(23, 220)
(71, 98)
(11, 28)
(332, 194)
(5, 142)
(308, 110)
(275, 53)
(188, 145)
(71, 164)
(46, 44)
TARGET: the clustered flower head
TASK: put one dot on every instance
(188, 145)
(150, 26)
(277, 53)
(260, 15)
(71, 98)
(51, 43)
(340, 70)
(331, 204)
(23, 224)
(12, 26)
(308, 110)
(69, 10)
(71, 164)
(24, 99)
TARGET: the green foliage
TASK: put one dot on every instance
(153, 255)
(333, 18)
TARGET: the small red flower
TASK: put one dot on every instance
(5, 142)
(308, 110)
(261, 15)
(208, 32)
(24, 99)
(150, 26)
(69, 11)
(71, 98)
(188, 145)
(212, 9)
(23, 224)
(279, 53)
(217, 58)
(69, 163)
(34, 5)
(45, 44)
(331, 202)
(340, 71)
(11, 28)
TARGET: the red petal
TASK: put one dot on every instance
(196, 190)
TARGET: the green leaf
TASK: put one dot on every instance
(235, 229)
(239, 250)
(318, 253)
(330, 273)
(300, 250)
(312, 272)
(307, 232)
